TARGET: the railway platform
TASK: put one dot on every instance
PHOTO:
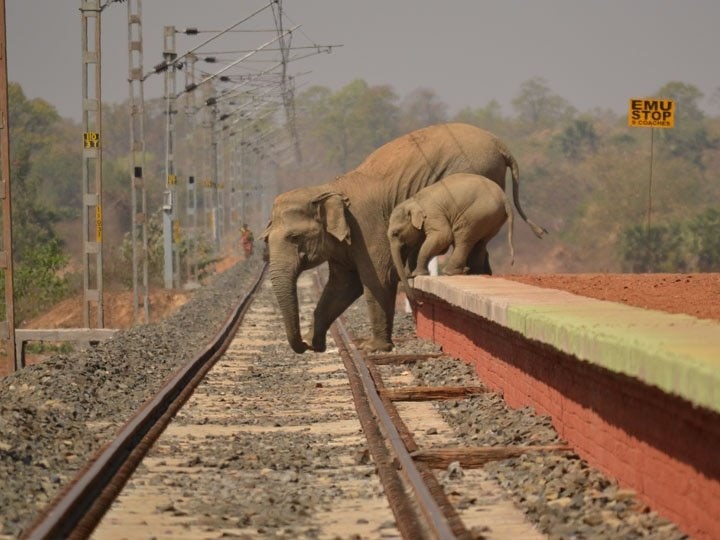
(636, 392)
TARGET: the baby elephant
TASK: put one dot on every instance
(462, 210)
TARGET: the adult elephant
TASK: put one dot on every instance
(344, 222)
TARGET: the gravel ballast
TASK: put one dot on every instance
(54, 415)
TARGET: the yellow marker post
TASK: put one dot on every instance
(98, 224)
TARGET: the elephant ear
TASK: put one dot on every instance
(266, 232)
(417, 217)
(331, 213)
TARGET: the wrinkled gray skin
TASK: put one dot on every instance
(462, 210)
(344, 222)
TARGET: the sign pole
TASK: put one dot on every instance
(649, 207)
(652, 113)
(648, 233)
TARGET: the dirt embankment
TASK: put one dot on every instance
(118, 306)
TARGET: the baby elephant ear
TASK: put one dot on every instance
(417, 217)
(265, 233)
(332, 213)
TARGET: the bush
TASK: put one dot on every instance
(685, 246)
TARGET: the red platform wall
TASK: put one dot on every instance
(662, 446)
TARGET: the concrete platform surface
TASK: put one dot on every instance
(679, 354)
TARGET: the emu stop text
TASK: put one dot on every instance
(654, 113)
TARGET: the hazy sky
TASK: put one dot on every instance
(594, 53)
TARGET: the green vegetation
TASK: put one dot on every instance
(585, 176)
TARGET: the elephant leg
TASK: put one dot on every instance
(457, 262)
(434, 244)
(479, 260)
(381, 309)
(342, 289)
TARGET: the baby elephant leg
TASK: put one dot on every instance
(434, 244)
(457, 261)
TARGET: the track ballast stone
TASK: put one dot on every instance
(54, 415)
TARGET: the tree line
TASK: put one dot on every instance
(585, 176)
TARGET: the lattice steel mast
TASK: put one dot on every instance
(286, 84)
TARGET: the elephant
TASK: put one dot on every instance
(344, 223)
(463, 210)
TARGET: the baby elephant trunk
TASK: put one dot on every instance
(396, 253)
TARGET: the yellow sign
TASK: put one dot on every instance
(651, 112)
(172, 179)
(98, 224)
(91, 139)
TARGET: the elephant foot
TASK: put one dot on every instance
(376, 345)
(319, 344)
(315, 343)
(300, 348)
(456, 271)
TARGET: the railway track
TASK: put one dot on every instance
(214, 413)
(270, 444)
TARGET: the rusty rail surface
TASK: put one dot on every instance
(380, 431)
(79, 508)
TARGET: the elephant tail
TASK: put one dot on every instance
(515, 171)
(510, 220)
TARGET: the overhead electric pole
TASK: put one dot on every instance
(92, 164)
(6, 254)
(171, 230)
(138, 193)
(191, 209)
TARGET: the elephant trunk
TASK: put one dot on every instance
(396, 253)
(284, 282)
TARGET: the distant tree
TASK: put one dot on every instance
(37, 253)
(116, 130)
(489, 117)
(715, 98)
(38, 281)
(689, 138)
(353, 121)
(678, 246)
(538, 107)
(705, 232)
(31, 127)
(57, 170)
(577, 139)
(662, 248)
(421, 108)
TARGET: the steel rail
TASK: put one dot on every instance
(79, 508)
(434, 516)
